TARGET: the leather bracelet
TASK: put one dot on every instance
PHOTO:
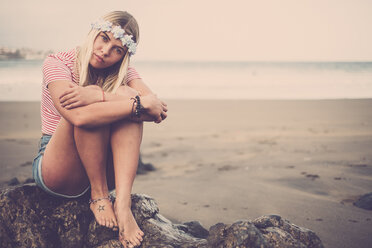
(139, 109)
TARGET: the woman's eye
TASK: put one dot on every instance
(104, 38)
(118, 50)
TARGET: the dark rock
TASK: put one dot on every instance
(240, 234)
(29, 180)
(144, 168)
(194, 228)
(365, 202)
(31, 218)
(281, 233)
(14, 181)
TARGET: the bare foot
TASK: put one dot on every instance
(130, 235)
(103, 212)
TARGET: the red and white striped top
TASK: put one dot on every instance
(60, 66)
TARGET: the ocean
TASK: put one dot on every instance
(20, 80)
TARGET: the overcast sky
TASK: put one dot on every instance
(261, 30)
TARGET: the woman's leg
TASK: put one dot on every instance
(126, 139)
(92, 146)
(75, 157)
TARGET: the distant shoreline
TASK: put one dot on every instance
(7, 54)
(21, 80)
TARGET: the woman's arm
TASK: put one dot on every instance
(101, 113)
(140, 86)
(77, 96)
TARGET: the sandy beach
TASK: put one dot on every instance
(225, 160)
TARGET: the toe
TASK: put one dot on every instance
(123, 242)
(135, 241)
(103, 222)
(139, 237)
(129, 244)
(109, 223)
(115, 223)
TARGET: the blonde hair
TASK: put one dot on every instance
(115, 75)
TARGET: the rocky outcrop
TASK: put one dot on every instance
(31, 218)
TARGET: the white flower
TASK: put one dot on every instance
(128, 38)
(118, 32)
(132, 48)
(102, 25)
(105, 26)
(96, 25)
(129, 43)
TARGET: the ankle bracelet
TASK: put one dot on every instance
(109, 197)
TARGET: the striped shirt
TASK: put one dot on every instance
(60, 66)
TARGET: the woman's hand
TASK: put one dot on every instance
(77, 96)
(155, 108)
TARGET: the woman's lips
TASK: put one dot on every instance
(99, 58)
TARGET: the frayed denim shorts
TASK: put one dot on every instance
(36, 169)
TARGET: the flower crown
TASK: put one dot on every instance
(118, 32)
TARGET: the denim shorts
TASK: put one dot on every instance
(36, 169)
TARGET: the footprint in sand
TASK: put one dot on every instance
(358, 165)
(344, 201)
(23, 142)
(227, 168)
(26, 164)
(350, 200)
(339, 178)
(312, 176)
(267, 142)
(312, 130)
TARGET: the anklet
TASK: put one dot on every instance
(110, 198)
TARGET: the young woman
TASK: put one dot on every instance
(92, 109)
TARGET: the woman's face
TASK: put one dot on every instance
(106, 51)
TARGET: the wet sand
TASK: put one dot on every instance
(220, 161)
